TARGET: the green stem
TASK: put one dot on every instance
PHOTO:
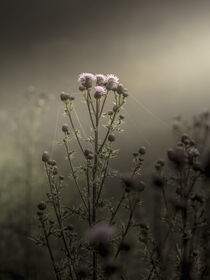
(73, 174)
(73, 127)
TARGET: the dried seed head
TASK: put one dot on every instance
(121, 117)
(45, 156)
(42, 206)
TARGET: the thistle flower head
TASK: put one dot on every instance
(99, 92)
(100, 233)
(111, 78)
(111, 82)
(86, 79)
(45, 156)
(100, 79)
(84, 76)
(121, 89)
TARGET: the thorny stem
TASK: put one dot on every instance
(88, 193)
(58, 216)
(49, 248)
(104, 176)
(110, 125)
(73, 174)
(73, 127)
(89, 101)
(108, 131)
(94, 183)
(104, 101)
(117, 208)
(132, 210)
(170, 222)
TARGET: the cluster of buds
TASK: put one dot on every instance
(51, 162)
(41, 208)
(65, 97)
(103, 83)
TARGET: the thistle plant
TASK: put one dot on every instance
(94, 234)
(91, 232)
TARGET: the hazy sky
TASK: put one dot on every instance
(159, 49)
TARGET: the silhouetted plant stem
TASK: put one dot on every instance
(49, 248)
(73, 173)
(94, 183)
(89, 101)
(104, 101)
(104, 172)
(117, 208)
(56, 206)
(129, 223)
(73, 127)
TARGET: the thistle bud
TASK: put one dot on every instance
(65, 128)
(111, 137)
(45, 156)
(55, 170)
(116, 108)
(142, 150)
(42, 206)
(64, 96)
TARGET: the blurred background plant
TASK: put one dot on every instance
(20, 183)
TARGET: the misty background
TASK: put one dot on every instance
(160, 50)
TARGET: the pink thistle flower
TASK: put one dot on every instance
(111, 78)
(100, 79)
(86, 79)
(111, 82)
(99, 92)
(84, 76)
